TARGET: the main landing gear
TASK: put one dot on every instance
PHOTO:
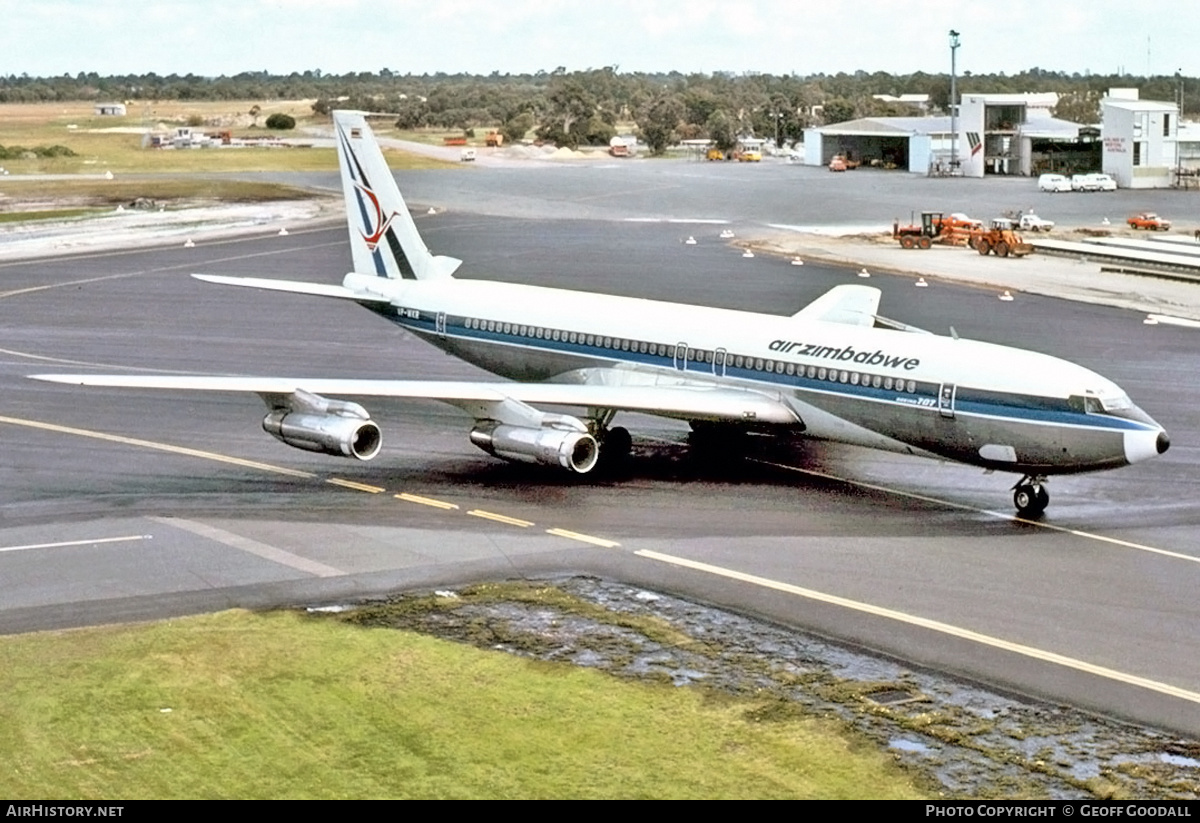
(1030, 496)
(615, 441)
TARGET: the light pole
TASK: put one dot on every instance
(953, 102)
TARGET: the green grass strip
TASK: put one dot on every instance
(280, 705)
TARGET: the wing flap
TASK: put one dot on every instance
(688, 402)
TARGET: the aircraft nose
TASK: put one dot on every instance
(1144, 444)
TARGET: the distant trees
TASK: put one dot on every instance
(1079, 107)
(658, 121)
(516, 127)
(721, 130)
(574, 108)
(839, 110)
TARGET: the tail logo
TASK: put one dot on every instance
(381, 224)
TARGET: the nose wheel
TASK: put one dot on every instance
(1030, 497)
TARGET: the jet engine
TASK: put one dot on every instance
(571, 449)
(314, 423)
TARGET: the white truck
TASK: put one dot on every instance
(1031, 222)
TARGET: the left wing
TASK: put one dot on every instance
(718, 404)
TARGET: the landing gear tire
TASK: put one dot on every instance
(1031, 500)
(615, 447)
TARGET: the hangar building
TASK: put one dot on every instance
(914, 144)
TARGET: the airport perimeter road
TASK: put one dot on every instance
(132, 504)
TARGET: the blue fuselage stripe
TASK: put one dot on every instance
(926, 395)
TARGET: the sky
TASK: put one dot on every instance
(215, 37)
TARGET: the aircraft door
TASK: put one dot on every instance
(681, 356)
(946, 400)
(441, 324)
(719, 362)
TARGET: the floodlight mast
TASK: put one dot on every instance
(953, 102)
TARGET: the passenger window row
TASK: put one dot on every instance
(735, 361)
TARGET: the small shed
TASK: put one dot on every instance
(110, 109)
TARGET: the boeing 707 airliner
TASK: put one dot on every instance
(835, 370)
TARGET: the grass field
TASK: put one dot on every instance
(114, 144)
(282, 705)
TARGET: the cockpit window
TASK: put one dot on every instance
(1117, 405)
(1116, 402)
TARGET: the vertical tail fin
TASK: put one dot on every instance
(383, 237)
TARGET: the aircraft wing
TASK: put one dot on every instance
(720, 404)
(295, 287)
(849, 304)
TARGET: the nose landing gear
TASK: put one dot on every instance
(1030, 496)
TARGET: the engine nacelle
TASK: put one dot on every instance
(575, 451)
(334, 434)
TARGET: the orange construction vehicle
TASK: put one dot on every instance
(921, 236)
(1001, 239)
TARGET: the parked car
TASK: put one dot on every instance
(1150, 221)
(1081, 182)
(1093, 182)
(1054, 182)
(958, 220)
(1031, 222)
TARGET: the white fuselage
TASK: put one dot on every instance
(965, 400)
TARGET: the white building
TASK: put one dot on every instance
(995, 131)
(1141, 148)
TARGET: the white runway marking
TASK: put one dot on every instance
(92, 542)
(245, 544)
(999, 515)
(703, 221)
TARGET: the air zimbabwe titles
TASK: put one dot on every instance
(845, 355)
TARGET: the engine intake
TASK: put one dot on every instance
(575, 451)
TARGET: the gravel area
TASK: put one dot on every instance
(963, 739)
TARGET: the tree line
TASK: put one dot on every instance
(586, 107)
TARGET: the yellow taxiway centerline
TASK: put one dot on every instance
(425, 501)
(501, 518)
(351, 484)
(584, 538)
(162, 447)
